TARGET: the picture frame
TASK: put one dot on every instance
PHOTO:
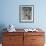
(26, 13)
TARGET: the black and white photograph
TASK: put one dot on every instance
(26, 13)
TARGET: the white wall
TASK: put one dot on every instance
(10, 13)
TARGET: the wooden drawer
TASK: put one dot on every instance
(13, 33)
(34, 33)
(13, 44)
(27, 41)
(37, 39)
(34, 39)
(37, 45)
(12, 39)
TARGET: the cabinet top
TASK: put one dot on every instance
(22, 30)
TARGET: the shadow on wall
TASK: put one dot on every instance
(2, 26)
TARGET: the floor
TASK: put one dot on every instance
(0, 44)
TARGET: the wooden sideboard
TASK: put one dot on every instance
(23, 38)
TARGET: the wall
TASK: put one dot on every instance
(9, 13)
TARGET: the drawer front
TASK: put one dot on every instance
(34, 33)
(37, 39)
(12, 44)
(27, 41)
(37, 45)
(8, 44)
(13, 33)
(12, 39)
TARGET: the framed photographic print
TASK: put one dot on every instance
(26, 13)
